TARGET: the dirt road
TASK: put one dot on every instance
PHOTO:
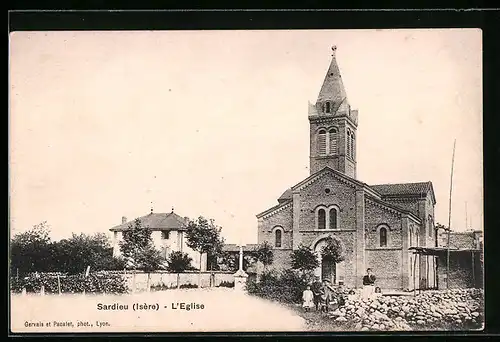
(205, 310)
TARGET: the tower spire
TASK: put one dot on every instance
(332, 90)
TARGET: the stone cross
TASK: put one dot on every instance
(241, 257)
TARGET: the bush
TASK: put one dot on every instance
(285, 287)
(77, 283)
(188, 286)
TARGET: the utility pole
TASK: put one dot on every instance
(466, 215)
(449, 221)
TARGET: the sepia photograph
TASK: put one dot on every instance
(246, 181)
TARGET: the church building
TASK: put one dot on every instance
(376, 224)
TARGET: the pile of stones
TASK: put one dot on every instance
(430, 310)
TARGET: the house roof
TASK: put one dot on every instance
(157, 221)
(405, 189)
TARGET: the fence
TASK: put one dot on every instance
(139, 281)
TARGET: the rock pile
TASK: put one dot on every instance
(430, 310)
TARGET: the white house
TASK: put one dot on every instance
(168, 234)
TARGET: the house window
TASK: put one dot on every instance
(277, 238)
(321, 219)
(383, 237)
(333, 218)
(165, 234)
(327, 107)
(332, 144)
(322, 141)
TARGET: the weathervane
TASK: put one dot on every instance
(334, 48)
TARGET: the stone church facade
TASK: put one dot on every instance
(375, 223)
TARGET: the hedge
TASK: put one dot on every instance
(77, 283)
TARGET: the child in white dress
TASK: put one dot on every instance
(307, 299)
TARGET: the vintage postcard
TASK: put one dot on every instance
(246, 181)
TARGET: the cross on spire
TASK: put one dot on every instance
(334, 49)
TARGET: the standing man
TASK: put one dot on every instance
(368, 284)
(326, 296)
(316, 288)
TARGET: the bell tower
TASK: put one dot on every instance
(333, 126)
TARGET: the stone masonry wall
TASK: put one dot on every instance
(386, 265)
(341, 194)
(284, 219)
(386, 262)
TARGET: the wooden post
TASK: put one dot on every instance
(419, 275)
(17, 274)
(449, 221)
(473, 270)
(414, 274)
(427, 270)
(59, 284)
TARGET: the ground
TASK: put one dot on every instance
(224, 310)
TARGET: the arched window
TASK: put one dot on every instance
(332, 144)
(322, 141)
(348, 143)
(352, 145)
(383, 237)
(277, 238)
(431, 226)
(333, 218)
(321, 219)
(327, 107)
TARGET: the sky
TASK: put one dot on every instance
(214, 123)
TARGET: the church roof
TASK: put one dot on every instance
(287, 195)
(157, 221)
(405, 189)
(333, 88)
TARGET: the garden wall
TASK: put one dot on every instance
(170, 279)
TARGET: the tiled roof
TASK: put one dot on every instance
(404, 189)
(287, 195)
(157, 221)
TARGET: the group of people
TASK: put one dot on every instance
(320, 295)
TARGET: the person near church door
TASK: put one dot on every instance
(368, 284)
(326, 296)
(316, 288)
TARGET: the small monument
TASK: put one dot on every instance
(240, 277)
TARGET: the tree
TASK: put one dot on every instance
(333, 250)
(264, 254)
(73, 255)
(304, 259)
(204, 236)
(137, 247)
(31, 251)
(178, 262)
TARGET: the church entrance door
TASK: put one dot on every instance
(328, 269)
